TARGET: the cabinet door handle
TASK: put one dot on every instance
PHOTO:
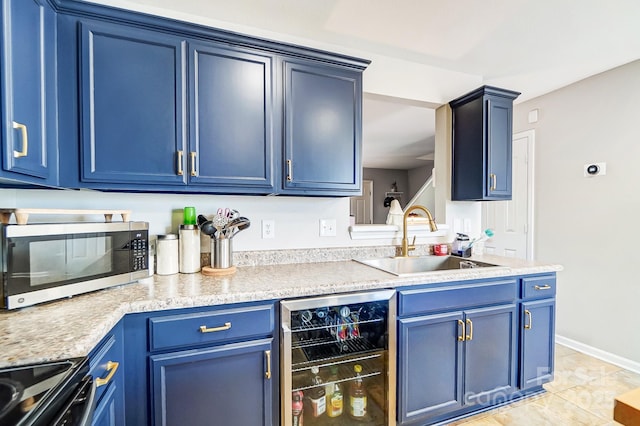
(461, 336)
(112, 367)
(528, 325)
(267, 373)
(180, 171)
(470, 335)
(494, 181)
(542, 287)
(25, 140)
(204, 329)
(289, 170)
(192, 154)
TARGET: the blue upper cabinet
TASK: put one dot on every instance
(28, 93)
(231, 132)
(322, 129)
(154, 104)
(132, 94)
(482, 140)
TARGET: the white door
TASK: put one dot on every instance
(512, 221)
(362, 206)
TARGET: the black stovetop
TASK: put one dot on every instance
(27, 391)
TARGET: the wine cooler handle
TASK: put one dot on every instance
(267, 373)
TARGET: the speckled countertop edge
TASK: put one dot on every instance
(72, 327)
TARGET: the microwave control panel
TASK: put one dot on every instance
(139, 250)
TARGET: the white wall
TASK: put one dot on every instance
(296, 218)
(590, 225)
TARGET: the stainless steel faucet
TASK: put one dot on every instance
(406, 247)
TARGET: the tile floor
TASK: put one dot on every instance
(581, 394)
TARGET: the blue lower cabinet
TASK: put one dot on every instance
(106, 365)
(106, 412)
(490, 354)
(430, 366)
(453, 360)
(227, 385)
(537, 321)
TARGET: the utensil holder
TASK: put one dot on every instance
(221, 253)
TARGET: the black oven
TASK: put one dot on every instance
(42, 262)
(48, 394)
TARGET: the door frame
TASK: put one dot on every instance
(530, 135)
(531, 140)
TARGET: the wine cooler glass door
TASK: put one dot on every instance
(337, 353)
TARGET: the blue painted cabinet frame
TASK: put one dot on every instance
(482, 123)
(322, 129)
(223, 385)
(455, 360)
(28, 93)
(231, 142)
(537, 331)
(178, 375)
(132, 91)
(110, 408)
(170, 106)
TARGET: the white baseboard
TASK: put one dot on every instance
(600, 354)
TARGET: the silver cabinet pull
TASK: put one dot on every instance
(528, 325)
(542, 287)
(289, 171)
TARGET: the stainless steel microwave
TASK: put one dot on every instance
(43, 262)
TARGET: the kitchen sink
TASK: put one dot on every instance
(408, 266)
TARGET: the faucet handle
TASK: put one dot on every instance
(412, 246)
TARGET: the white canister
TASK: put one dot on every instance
(167, 254)
(189, 249)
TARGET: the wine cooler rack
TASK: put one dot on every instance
(339, 343)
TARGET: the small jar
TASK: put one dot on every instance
(189, 249)
(167, 254)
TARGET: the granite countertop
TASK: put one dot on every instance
(72, 327)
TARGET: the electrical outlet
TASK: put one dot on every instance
(327, 227)
(268, 229)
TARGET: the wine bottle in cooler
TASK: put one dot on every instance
(357, 396)
(317, 394)
(297, 408)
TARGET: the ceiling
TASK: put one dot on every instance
(532, 46)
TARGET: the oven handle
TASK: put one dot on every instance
(87, 402)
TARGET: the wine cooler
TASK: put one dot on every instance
(338, 360)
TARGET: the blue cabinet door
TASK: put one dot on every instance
(132, 105)
(490, 354)
(537, 328)
(105, 413)
(429, 366)
(225, 385)
(28, 88)
(499, 139)
(322, 129)
(231, 119)
(106, 364)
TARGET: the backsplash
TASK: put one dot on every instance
(313, 255)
